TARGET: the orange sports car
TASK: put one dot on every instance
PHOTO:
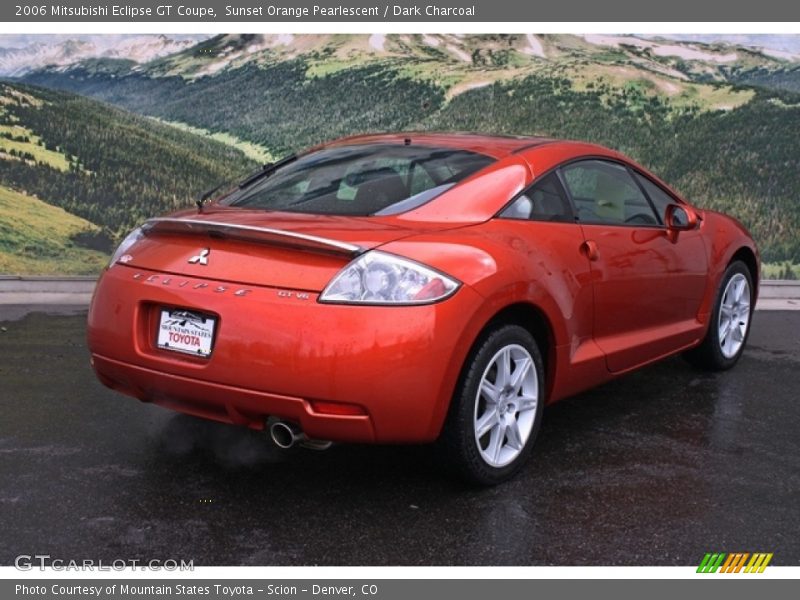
(419, 287)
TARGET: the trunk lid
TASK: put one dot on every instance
(282, 250)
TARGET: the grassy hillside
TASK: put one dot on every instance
(252, 151)
(39, 239)
(20, 143)
(101, 163)
(277, 107)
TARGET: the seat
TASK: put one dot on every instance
(610, 199)
(380, 188)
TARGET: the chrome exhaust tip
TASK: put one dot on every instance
(285, 435)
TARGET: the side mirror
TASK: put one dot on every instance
(681, 217)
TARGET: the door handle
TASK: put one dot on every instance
(589, 248)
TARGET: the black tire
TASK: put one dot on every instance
(709, 354)
(458, 443)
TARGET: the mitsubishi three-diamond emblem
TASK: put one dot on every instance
(202, 258)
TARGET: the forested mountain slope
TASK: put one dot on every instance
(717, 121)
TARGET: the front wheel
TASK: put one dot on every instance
(730, 322)
(497, 408)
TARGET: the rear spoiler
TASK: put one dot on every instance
(249, 233)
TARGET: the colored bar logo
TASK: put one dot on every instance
(735, 562)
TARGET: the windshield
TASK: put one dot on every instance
(360, 180)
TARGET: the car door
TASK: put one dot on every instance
(541, 223)
(648, 283)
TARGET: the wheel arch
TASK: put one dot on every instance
(726, 242)
(535, 321)
(748, 257)
(532, 318)
(522, 313)
(709, 354)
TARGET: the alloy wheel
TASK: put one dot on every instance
(505, 407)
(734, 315)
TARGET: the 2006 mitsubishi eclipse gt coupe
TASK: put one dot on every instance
(413, 288)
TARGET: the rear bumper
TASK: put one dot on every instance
(226, 403)
(277, 353)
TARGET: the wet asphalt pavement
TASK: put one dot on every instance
(656, 468)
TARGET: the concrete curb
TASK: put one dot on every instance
(780, 288)
(65, 299)
(77, 291)
(70, 285)
(778, 304)
(65, 291)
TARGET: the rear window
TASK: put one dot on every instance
(360, 180)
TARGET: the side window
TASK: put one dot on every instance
(604, 192)
(543, 201)
(660, 198)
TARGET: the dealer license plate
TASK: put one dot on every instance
(186, 331)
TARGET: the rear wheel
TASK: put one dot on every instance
(497, 408)
(730, 322)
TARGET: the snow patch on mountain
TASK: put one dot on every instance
(376, 41)
(430, 40)
(684, 51)
(459, 53)
(535, 47)
(780, 54)
(62, 51)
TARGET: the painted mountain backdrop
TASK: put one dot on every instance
(718, 120)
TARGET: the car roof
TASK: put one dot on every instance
(496, 146)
